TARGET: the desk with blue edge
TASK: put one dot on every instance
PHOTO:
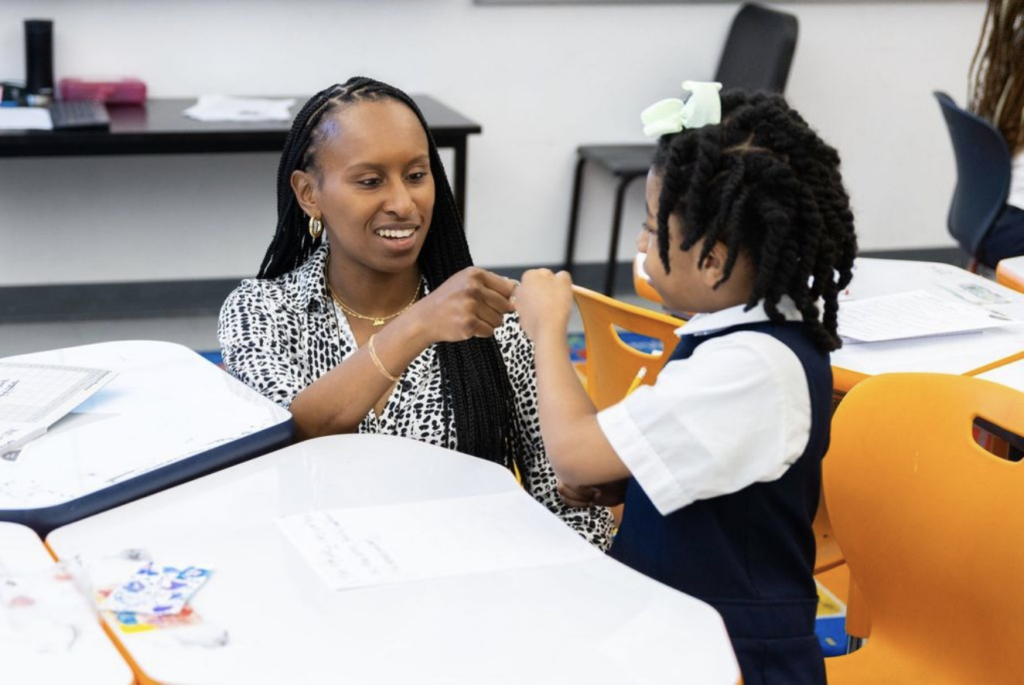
(169, 416)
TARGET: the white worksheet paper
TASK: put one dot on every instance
(366, 546)
(914, 314)
(34, 396)
(25, 119)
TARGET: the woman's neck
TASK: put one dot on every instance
(372, 293)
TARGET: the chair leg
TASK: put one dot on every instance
(574, 214)
(613, 247)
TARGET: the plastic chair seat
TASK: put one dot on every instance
(621, 160)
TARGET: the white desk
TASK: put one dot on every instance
(49, 647)
(594, 621)
(1011, 375)
(167, 417)
(955, 354)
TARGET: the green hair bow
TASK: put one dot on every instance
(702, 108)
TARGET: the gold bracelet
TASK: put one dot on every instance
(376, 361)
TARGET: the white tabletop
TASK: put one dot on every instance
(269, 618)
(53, 641)
(167, 405)
(955, 354)
(1011, 375)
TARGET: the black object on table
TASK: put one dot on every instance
(160, 128)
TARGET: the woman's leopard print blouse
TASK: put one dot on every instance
(279, 335)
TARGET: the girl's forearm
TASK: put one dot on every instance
(575, 443)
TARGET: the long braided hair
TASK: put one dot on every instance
(478, 397)
(763, 183)
(997, 70)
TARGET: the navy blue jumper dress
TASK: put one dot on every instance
(749, 554)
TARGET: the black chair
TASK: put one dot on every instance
(757, 56)
(982, 176)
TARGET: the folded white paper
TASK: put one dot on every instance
(228, 108)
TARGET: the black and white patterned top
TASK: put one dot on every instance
(279, 335)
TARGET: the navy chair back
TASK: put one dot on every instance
(982, 174)
(759, 50)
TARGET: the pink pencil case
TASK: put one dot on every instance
(127, 91)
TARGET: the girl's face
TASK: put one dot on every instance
(372, 187)
(689, 286)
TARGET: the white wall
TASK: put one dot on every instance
(541, 80)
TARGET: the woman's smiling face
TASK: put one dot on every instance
(371, 185)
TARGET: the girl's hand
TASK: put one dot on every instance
(470, 304)
(544, 302)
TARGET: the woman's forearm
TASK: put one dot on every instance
(339, 400)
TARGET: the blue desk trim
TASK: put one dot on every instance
(45, 519)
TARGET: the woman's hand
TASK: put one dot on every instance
(470, 304)
(544, 302)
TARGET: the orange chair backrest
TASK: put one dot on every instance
(932, 525)
(640, 283)
(613, 364)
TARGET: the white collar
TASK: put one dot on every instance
(710, 322)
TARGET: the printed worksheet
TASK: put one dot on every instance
(914, 314)
(34, 396)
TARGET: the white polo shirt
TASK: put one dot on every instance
(737, 412)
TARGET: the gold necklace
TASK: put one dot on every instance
(376, 320)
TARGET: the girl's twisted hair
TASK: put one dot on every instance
(763, 183)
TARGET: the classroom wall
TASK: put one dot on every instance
(540, 79)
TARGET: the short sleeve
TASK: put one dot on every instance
(735, 413)
(593, 523)
(256, 345)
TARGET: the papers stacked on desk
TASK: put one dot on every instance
(34, 396)
(227, 108)
(25, 119)
(914, 314)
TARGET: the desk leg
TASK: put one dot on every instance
(460, 149)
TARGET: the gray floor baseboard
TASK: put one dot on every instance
(142, 299)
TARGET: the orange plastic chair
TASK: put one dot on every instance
(640, 283)
(827, 553)
(932, 527)
(1010, 272)
(613, 365)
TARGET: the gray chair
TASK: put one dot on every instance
(982, 176)
(757, 55)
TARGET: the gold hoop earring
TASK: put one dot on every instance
(316, 227)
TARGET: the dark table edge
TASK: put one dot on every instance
(44, 520)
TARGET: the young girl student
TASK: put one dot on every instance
(748, 225)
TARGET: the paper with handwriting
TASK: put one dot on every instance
(366, 546)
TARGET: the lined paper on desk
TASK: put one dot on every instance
(366, 546)
(914, 314)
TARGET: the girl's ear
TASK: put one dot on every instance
(713, 268)
(304, 185)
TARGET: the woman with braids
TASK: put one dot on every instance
(997, 94)
(368, 315)
(749, 225)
